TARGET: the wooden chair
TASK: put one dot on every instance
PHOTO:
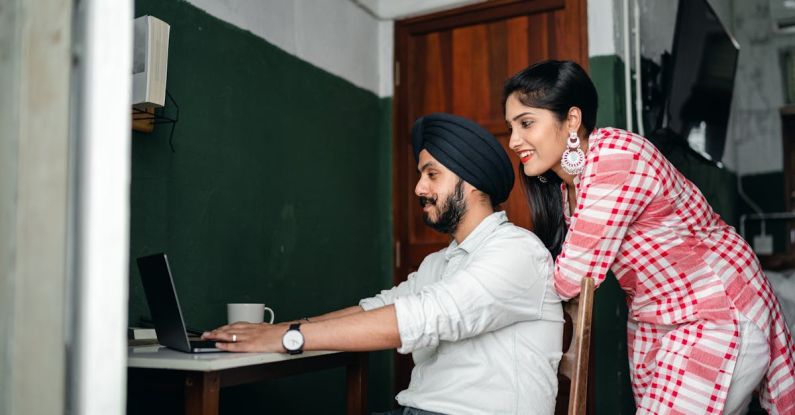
(573, 370)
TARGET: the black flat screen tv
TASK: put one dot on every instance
(701, 80)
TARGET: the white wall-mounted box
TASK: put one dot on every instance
(150, 62)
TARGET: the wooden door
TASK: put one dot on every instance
(457, 61)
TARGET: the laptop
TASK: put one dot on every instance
(164, 305)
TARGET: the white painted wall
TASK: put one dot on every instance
(603, 34)
(386, 57)
(400, 9)
(338, 36)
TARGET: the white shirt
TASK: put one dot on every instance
(484, 324)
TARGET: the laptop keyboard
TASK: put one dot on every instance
(202, 344)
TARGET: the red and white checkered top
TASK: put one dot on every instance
(686, 274)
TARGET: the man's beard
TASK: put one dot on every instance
(450, 212)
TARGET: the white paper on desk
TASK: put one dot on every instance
(146, 349)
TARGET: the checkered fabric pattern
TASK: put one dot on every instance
(686, 273)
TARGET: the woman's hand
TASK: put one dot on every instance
(248, 337)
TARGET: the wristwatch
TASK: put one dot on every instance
(293, 340)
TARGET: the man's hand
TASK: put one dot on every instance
(248, 337)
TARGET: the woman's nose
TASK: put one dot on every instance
(514, 141)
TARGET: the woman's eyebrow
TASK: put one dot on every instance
(522, 114)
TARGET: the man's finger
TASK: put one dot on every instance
(221, 336)
(236, 347)
(213, 335)
(224, 346)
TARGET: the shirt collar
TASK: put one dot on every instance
(474, 239)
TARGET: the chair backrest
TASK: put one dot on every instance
(575, 360)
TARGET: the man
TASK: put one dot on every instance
(481, 317)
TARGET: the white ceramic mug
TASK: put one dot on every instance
(250, 313)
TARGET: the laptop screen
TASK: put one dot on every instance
(163, 303)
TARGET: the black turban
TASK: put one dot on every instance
(468, 150)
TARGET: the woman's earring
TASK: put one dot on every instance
(542, 178)
(573, 159)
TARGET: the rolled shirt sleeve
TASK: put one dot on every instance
(503, 282)
(428, 273)
(386, 297)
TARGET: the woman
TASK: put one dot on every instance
(705, 330)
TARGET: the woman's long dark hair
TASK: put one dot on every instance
(546, 210)
(555, 86)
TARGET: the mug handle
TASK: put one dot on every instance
(273, 315)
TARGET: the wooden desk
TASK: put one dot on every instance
(201, 376)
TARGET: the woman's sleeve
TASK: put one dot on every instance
(613, 193)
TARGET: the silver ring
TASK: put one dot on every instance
(234, 338)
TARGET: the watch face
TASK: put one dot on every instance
(293, 340)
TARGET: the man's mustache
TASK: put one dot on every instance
(424, 201)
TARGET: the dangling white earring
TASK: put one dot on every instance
(573, 159)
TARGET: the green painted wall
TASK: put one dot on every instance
(278, 191)
(607, 73)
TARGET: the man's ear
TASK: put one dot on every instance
(479, 195)
(468, 188)
(485, 198)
